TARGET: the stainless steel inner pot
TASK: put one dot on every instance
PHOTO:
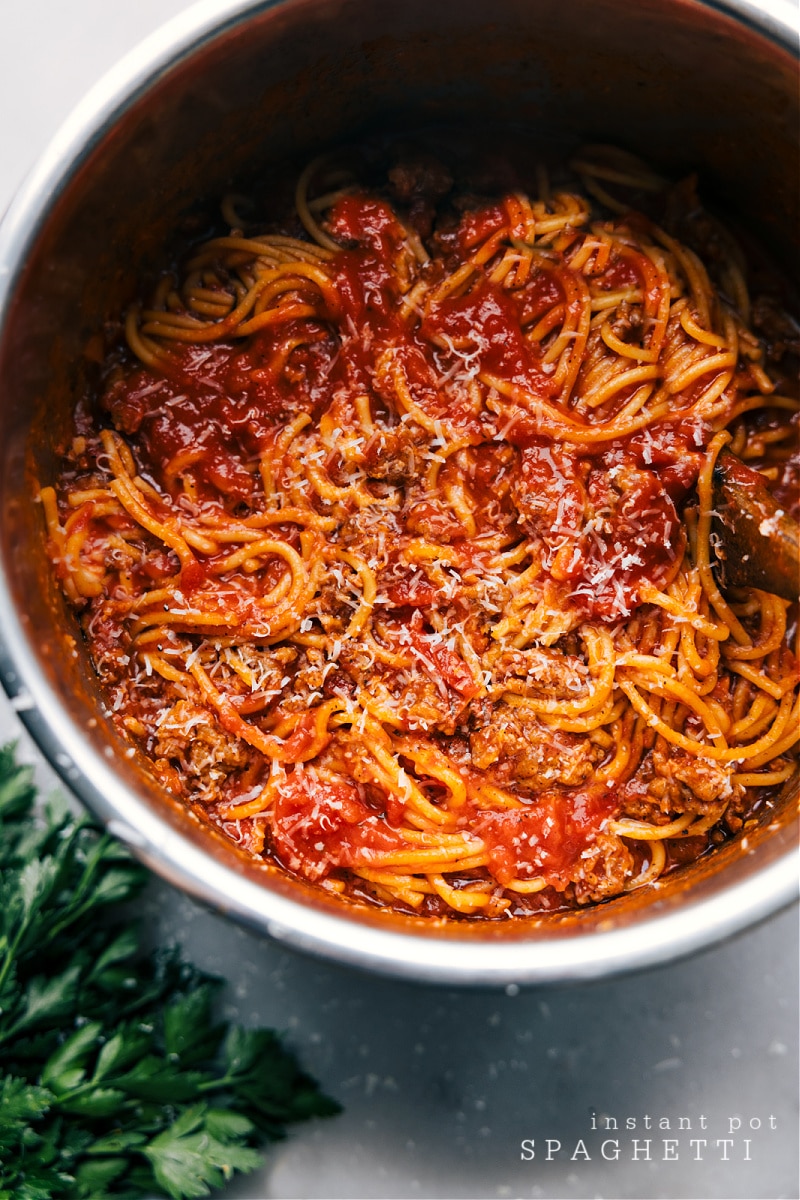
(233, 86)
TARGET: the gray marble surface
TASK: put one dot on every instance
(455, 1094)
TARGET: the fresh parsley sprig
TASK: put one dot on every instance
(116, 1080)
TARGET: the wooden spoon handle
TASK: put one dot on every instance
(757, 543)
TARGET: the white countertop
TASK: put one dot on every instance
(442, 1089)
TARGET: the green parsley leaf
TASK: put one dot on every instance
(189, 1160)
(116, 1077)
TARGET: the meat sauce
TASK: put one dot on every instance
(226, 400)
(607, 518)
(318, 826)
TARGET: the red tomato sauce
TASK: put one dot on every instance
(317, 825)
(547, 838)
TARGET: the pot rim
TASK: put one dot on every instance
(661, 934)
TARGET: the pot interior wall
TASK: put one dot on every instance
(679, 83)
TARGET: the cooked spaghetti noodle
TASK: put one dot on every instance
(394, 556)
